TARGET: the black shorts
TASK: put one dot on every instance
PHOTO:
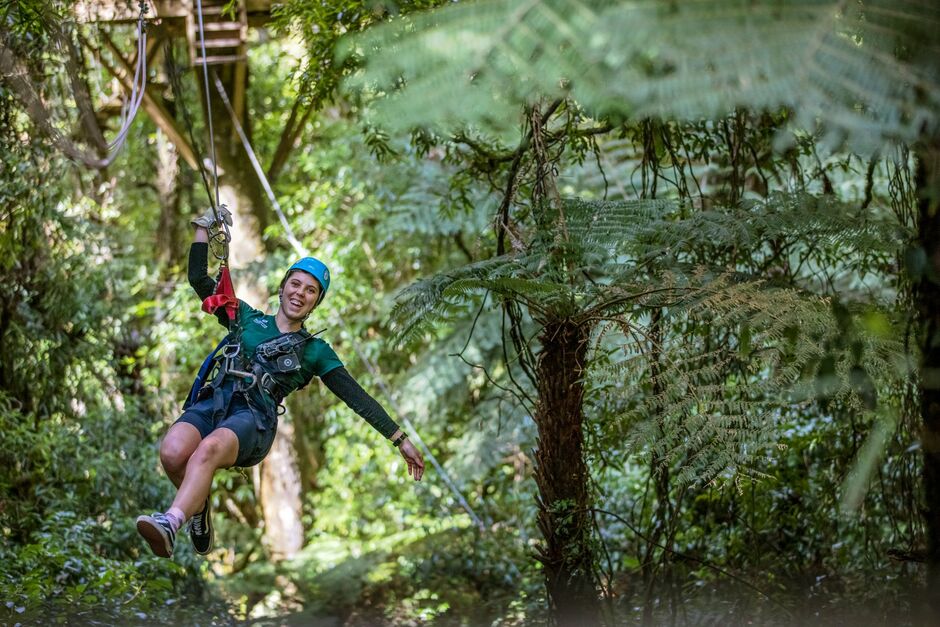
(255, 430)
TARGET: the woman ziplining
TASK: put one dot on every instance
(232, 420)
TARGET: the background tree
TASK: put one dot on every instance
(534, 53)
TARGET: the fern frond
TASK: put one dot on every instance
(496, 54)
(602, 256)
(813, 225)
(421, 306)
(868, 69)
(713, 409)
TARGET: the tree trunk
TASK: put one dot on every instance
(241, 192)
(659, 470)
(562, 476)
(309, 441)
(927, 299)
(170, 246)
(280, 495)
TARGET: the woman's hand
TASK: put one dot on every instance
(212, 219)
(413, 458)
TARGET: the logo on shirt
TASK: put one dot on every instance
(262, 322)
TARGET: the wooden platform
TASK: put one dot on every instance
(258, 11)
(226, 53)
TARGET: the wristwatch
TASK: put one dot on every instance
(397, 442)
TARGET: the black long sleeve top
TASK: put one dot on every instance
(338, 380)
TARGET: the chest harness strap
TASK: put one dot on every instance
(279, 355)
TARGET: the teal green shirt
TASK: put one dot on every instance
(255, 328)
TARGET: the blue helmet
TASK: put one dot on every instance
(317, 269)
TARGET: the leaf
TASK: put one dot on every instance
(866, 70)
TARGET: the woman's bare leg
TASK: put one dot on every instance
(217, 450)
(177, 447)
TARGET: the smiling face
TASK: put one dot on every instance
(299, 295)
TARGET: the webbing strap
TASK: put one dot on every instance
(224, 296)
(138, 88)
(204, 370)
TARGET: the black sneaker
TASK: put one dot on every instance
(158, 533)
(200, 530)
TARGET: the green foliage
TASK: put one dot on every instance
(867, 69)
(708, 405)
(321, 25)
(62, 571)
(75, 431)
(748, 321)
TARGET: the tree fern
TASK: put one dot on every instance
(868, 69)
(612, 248)
(716, 410)
(709, 406)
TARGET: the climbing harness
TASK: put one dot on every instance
(279, 356)
(202, 376)
(228, 365)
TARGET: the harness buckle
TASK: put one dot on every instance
(248, 376)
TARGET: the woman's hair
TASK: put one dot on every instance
(284, 281)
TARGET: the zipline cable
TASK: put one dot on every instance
(372, 368)
(224, 236)
(256, 164)
(205, 77)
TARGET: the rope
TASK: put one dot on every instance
(224, 235)
(138, 87)
(372, 368)
(205, 78)
(128, 109)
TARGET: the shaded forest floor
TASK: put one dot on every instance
(342, 583)
(292, 610)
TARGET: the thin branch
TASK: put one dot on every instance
(508, 362)
(520, 396)
(481, 150)
(697, 560)
(473, 326)
(869, 181)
